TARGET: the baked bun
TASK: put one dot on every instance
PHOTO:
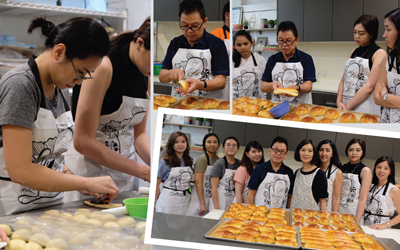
(325, 120)
(255, 101)
(265, 104)
(232, 224)
(352, 225)
(268, 229)
(271, 224)
(348, 118)
(289, 243)
(361, 237)
(233, 230)
(371, 246)
(275, 215)
(368, 119)
(266, 114)
(309, 119)
(184, 85)
(161, 103)
(246, 237)
(297, 212)
(236, 111)
(286, 229)
(347, 217)
(310, 213)
(324, 221)
(224, 105)
(190, 102)
(298, 224)
(259, 218)
(243, 105)
(253, 224)
(339, 223)
(262, 208)
(292, 117)
(209, 103)
(224, 234)
(252, 109)
(348, 248)
(287, 91)
(334, 217)
(237, 221)
(259, 213)
(313, 226)
(327, 227)
(298, 218)
(181, 107)
(301, 109)
(277, 221)
(238, 205)
(243, 99)
(332, 114)
(265, 239)
(317, 111)
(355, 230)
(251, 231)
(168, 98)
(321, 214)
(155, 106)
(319, 246)
(277, 210)
(342, 229)
(251, 206)
(243, 216)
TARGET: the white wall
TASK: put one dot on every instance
(138, 11)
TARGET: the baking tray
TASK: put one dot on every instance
(200, 99)
(218, 226)
(334, 227)
(341, 111)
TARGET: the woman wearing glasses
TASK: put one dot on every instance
(290, 68)
(196, 56)
(362, 69)
(111, 114)
(222, 188)
(36, 122)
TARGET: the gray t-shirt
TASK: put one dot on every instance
(219, 167)
(20, 99)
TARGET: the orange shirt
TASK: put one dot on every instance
(219, 32)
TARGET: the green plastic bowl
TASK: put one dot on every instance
(137, 207)
(157, 68)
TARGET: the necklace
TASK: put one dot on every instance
(51, 94)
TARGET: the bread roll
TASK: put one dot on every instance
(190, 102)
(371, 246)
(343, 229)
(292, 117)
(347, 217)
(325, 120)
(339, 223)
(324, 221)
(255, 101)
(289, 243)
(224, 234)
(262, 208)
(231, 229)
(319, 246)
(334, 217)
(184, 85)
(297, 212)
(277, 221)
(298, 218)
(251, 206)
(268, 229)
(309, 119)
(252, 224)
(313, 226)
(265, 104)
(301, 109)
(347, 248)
(348, 118)
(338, 243)
(310, 213)
(209, 103)
(161, 103)
(224, 105)
(275, 216)
(271, 224)
(286, 229)
(317, 111)
(182, 107)
(352, 225)
(259, 218)
(298, 224)
(168, 98)
(6, 228)
(268, 234)
(277, 210)
(312, 220)
(251, 231)
(252, 109)
(332, 114)
(237, 221)
(327, 227)
(266, 114)
(265, 239)
(287, 91)
(155, 106)
(243, 216)
(368, 119)
(232, 224)
(307, 229)
(243, 99)
(355, 230)
(322, 214)
(246, 237)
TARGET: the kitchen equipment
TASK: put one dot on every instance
(137, 207)
(280, 109)
(157, 68)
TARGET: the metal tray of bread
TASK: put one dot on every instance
(178, 103)
(255, 107)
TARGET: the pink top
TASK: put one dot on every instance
(241, 176)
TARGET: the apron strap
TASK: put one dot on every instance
(386, 188)
(32, 64)
(5, 179)
(186, 191)
(225, 29)
(371, 214)
(208, 159)
(254, 59)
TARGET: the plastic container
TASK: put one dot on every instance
(280, 110)
(137, 207)
(157, 68)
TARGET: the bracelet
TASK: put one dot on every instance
(299, 87)
(205, 84)
(388, 225)
(67, 171)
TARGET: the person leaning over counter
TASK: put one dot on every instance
(36, 121)
(271, 183)
(290, 68)
(196, 56)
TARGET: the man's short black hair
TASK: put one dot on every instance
(191, 6)
(287, 25)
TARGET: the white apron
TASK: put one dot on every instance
(391, 115)
(226, 190)
(288, 74)
(355, 76)
(116, 131)
(245, 192)
(273, 191)
(330, 176)
(194, 203)
(226, 90)
(380, 207)
(175, 195)
(195, 63)
(302, 192)
(246, 79)
(350, 193)
(51, 137)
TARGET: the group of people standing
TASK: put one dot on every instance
(322, 183)
(368, 84)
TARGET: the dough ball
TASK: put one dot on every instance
(35, 229)
(57, 243)
(94, 222)
(79, 240)
(132, 239)
(107, 217)
(95, 215)
(40, 239)
(141, 227)
(22, 234)
(47, 219)
(66, 215)
(83, 211)
(7, 229)
(80, 218)
(16, 244)
(61, 234)
(122, 244)
(91, 233)
(51, 248)
(99, 243)
(126, 221)
(22, 222)
(112, 236)
(111, 224)
(31, 246)
(143, 235)
(52, 212)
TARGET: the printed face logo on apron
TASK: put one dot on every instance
(288, 74)
(355, 75)
(391, 115)
(348, 190)
(247, 84)
(179, 183)
(228, 186)
(380, 207)
(273, 191)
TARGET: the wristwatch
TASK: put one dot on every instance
(388, 225)
(385, 96)
(205, 84)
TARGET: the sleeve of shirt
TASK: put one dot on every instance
(320, 186)
(291, 178)
(255, 178)
(200, 165)
(216, 171)
(218, 32)
(308, 69)
(219, 60)
(240, 175)
(267, 76)
(167, 63)
(163, 169)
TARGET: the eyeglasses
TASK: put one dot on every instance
(277, 151)
(79, 77)
(228, 145)
(281, 42)
(195, 28)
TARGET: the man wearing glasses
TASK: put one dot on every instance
(196, 56)
(271, 183)
(290, 68)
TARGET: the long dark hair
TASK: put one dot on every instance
(205, 139)
(82, 36)
(392, 175)
(142, 32)
(246, 160)
(361, 142)
(335, 156)
(371, 25)
(393, 53)
(237, 57)
(169, 155)
(301, 144)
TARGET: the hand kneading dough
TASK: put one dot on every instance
(94, 222)
(6, 228)
(40, 239)
(31, 246)
(79, 240)
(141, 227)
(111, 224)
(16, 244)
(107, 217)
(126, 221)
(22, 234)
(57, 243)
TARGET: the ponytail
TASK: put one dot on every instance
(142, 32)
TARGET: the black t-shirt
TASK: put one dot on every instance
(366, 52)
(353, 168)
(320, 184)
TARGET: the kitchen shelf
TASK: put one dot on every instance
(186, 125)
(259, 30)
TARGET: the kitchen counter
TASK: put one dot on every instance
(325, 86)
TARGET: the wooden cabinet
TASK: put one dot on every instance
(318, 20)
(292, 10)
(166, 10)
(380, 9)
(345, 12)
